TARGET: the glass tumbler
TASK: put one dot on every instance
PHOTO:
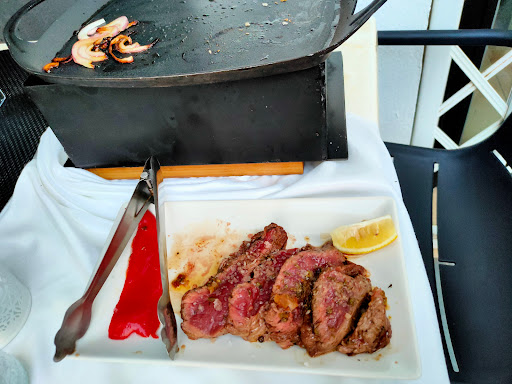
(15, 303)
(11, 370)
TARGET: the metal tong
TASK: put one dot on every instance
(78, 316)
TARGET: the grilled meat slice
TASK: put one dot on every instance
(352, 269)
(274, 236)
(249, 301)
(373, 330)
(204, 310)
(337, 298)
(285, 313)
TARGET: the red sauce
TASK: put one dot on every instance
(136, 311)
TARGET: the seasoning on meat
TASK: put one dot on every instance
(285, 314)
(373, 330)
(312, 297)
(204, 310)
(336, 300)
(249, 301)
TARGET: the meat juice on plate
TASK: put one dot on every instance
(195, 255)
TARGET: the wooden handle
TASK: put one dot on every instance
(215, 170)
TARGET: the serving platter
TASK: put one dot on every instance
(200, 232)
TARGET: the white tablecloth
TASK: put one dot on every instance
(53, 229)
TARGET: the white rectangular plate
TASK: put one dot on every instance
(305, 220)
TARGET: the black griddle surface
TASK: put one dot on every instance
(200, 41)
(196, 37)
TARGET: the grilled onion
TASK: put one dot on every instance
(83, 54)
(114, 43)
(133, 48)
(113, 28)
(56, 61)
(88, 50)
(62, 59)
(50, 66)
(82, 50)
(90, 29)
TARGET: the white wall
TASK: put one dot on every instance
(399, 67)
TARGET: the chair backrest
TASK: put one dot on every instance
(431, 107)
(471, 274)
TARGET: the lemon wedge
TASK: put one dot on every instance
(364, 237)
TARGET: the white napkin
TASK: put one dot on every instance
(55, 225)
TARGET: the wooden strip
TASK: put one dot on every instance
(215, 170)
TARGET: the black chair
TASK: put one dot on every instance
(472, 277)
(21, 126)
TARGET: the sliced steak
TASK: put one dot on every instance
(249, 301)
(373, 330)
(337, 298)
(285, 313)
(352, 269)
(273, 237)
(204, 310)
